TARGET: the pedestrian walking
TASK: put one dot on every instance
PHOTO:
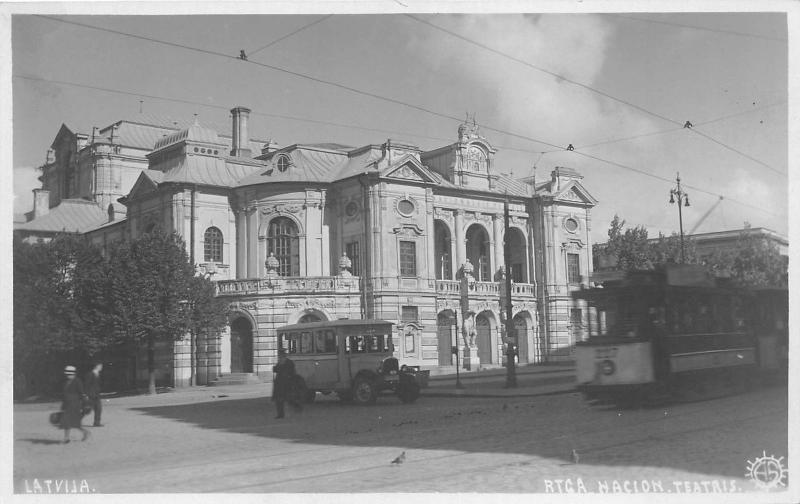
(91, 385)
(282, 384)
(72, 404)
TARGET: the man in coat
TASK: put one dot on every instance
(282, 383)
(91, 385)
(72, 404)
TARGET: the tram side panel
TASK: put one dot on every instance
(614, 365)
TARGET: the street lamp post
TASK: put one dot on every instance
(511, 343)
(682, 200)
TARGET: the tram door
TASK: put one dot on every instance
(484, 339)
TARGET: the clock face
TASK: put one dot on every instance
(351, 209)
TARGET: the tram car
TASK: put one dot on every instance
(677, 333)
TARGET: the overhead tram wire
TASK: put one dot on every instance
(263, 114)
(375, 96)
(702, 28)
(671, 130)
(289, 72)
(582, 85)
(309, 25)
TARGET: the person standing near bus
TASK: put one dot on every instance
(282, 383)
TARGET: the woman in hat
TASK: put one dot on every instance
(72, 404)
(281, 384)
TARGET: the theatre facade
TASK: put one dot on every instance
(314, 232)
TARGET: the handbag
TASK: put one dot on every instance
(55, 418)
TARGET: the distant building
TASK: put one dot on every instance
(708, 243)
(326, 231)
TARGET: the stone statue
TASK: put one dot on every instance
(468, 329)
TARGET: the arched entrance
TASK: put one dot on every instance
(483, 328)
(445, 326)
(521, 329)
(478, 248)
(241, 346)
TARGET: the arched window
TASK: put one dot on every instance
(212, 241)
(282, 241)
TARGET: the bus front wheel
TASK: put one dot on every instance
(364, 391)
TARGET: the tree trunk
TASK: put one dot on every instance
(151, 366)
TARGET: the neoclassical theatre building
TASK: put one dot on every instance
(309, 232)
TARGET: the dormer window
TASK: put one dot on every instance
(283, 163)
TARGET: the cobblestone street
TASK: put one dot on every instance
(451, 444)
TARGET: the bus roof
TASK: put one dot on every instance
(333, 323)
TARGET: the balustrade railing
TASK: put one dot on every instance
(274, 285)
(453, 287)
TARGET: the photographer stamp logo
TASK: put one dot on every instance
(767, 472)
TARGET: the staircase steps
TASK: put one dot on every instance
(235, 379)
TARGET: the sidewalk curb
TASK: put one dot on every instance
(466, 393)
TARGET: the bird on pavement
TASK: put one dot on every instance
(575, 457)
(400, 458)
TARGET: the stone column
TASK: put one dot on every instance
(241, 243)
(461, 241)
(430, 242)
(497, 251)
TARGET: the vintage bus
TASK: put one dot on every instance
(353, 358)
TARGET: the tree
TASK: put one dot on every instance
(61, 308)
(150, 276)
(206, 314)
(753, 262)
(631, 249)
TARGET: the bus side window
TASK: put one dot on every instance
(291, 343)
(306, 343)
(330, 341)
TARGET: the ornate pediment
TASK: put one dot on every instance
(575, 193)
(409, 169)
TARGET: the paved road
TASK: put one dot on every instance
(451, 444)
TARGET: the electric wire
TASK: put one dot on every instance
(395, 101)
(584, 86)
(560, 149)
(716, 30)
(309, 25)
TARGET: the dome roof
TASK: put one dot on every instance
(194, 133)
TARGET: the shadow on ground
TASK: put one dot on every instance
(549, 427)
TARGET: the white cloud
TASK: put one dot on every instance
(25, 181)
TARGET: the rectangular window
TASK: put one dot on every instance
(573, 269)
(351, 249)
(408, 258)
(409, 314)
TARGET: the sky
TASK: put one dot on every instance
(617, 86)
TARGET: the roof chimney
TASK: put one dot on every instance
(41, 203)
(240, 141)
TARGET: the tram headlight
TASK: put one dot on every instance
(608, 367)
